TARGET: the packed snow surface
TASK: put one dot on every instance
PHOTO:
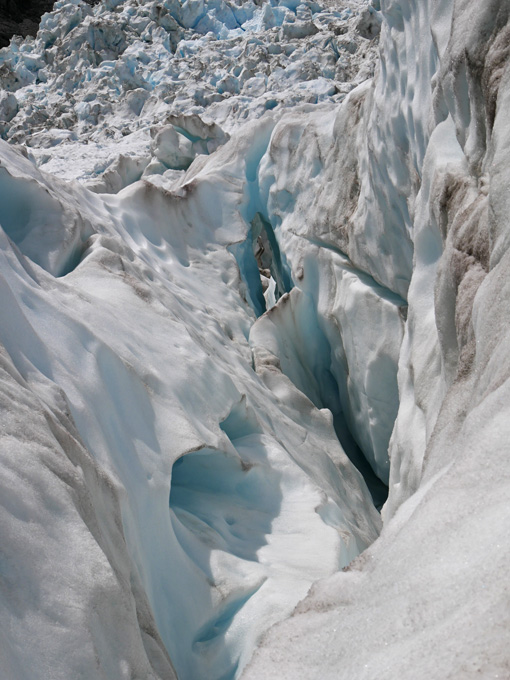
(246, 286)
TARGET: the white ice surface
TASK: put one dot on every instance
(430, 598)
(144, 331)
(265, 253)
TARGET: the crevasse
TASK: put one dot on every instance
(232, 263)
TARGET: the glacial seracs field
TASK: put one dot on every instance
(255, 341)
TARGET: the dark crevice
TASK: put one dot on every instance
(329, 397)
(378, 489)
(261, 265)
(308, 360)
(270, 261)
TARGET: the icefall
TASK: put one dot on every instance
(100, 82)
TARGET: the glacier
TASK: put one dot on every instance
(254, 353)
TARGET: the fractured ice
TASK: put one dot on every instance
(236, 269)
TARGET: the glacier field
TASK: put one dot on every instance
(255, 341)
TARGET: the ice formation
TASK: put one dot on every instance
(247, 285)
(111, 76)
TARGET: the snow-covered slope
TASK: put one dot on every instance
(247, 262)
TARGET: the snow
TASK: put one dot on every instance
(235, 272)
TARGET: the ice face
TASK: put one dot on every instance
(433, 170)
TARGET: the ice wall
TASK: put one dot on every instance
(426, 600)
